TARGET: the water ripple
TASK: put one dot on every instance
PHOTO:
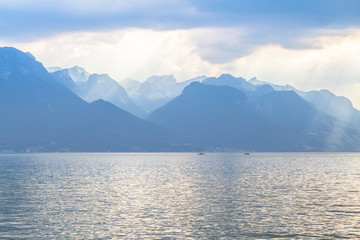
(178, 195)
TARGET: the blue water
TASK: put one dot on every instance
(180, 195)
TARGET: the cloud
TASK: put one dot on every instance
(332, 65)
(136, 53)
(333, 61)
(30, 20)
(276, 21)
(222, 45)
(85, 7)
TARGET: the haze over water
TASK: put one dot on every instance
(179, 195)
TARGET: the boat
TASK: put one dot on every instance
(201, 153)
(246, 153)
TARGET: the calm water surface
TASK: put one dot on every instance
(180, 195)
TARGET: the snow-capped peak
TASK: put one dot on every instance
(78, 74)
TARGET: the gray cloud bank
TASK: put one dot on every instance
(271, 21)
(248, 23)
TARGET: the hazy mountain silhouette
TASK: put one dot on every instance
(231, 81)
(156, 91)
(91, 87)
(224, 117)
(39, 114)
(250, 90)
(324, 101)
(336, 106)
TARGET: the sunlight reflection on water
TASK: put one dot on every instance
(180, 195)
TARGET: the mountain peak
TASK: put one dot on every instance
(12, 55)
(101, 78)
(226, 75)
(15, 64)
(213, 92)
(229, 80)
(78, 74)
(11, 50)
(169, 79)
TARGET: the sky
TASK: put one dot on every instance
(309, 44)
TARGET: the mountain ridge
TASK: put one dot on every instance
(92, 87)
(41, 112)
(275, 121)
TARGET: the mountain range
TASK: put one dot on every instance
(40, 114)
(156, 91)
(72, 110)
(91, 87)
(324, 101)
(223, 117)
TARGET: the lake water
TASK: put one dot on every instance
(179, 195)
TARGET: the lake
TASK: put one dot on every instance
(179, 195)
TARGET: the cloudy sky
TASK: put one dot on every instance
(310, 44)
